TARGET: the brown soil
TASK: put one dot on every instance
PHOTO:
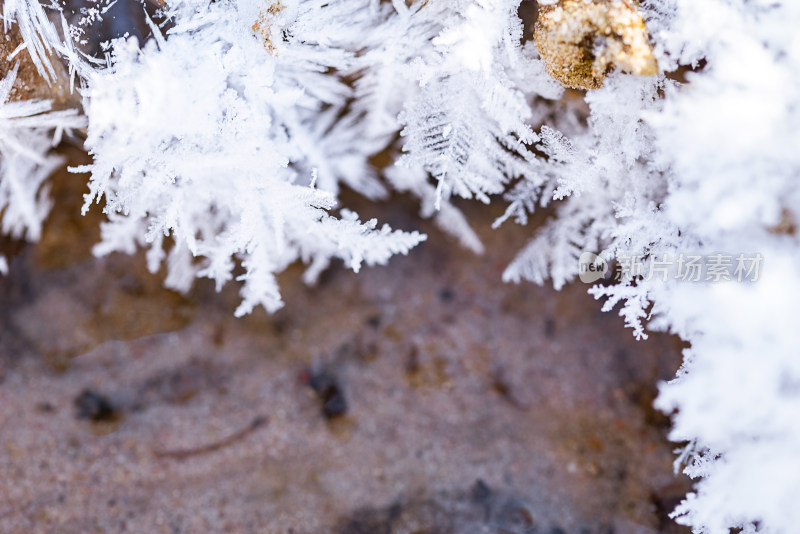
(466, 405)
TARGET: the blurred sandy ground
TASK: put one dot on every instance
(471, 406)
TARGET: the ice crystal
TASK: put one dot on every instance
(28, 131)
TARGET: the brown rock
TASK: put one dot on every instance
(581, 41)
(30, 84)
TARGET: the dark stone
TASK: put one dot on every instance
(481, 492)
(94, 406)
(446, 295)
(549, 328)
(327, 387)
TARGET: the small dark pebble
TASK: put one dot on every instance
(45, 407)
(94, 406)
(549, 328)
(482, 494)
(327, 387)
(374, 321)
(480, 491)
(446, 295)
(335, 406)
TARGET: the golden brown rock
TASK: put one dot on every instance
(581, 41)
(29, 84)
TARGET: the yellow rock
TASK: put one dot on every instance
(581, 41)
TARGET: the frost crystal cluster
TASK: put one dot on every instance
(28, 128)
(222, 142)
